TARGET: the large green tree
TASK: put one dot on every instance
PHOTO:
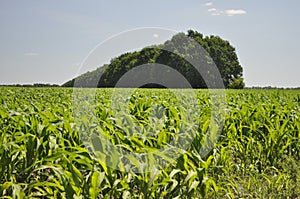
(179, 50)
(223, 55)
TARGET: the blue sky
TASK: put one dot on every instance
(45, 41)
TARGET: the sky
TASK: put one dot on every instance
(46, 41)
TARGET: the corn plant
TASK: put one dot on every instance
(43, 152)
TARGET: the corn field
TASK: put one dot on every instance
(43, 155)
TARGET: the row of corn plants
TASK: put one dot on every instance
(43, 154)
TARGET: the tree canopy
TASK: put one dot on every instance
(221, 52)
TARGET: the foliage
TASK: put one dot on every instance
(37, 85)
(88, 79)
(237, 83)
(221, 52)
(42, 155)
(223, 55)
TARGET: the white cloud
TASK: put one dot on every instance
(232, 12)
(214, 11)
(209, 4)
(31, 54)
(155, 35)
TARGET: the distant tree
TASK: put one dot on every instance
(69, 83)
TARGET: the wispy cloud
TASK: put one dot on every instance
(235, 12)
(214, 11)
(209, 3)
(231, 12)
(155, 35)
(31, 54)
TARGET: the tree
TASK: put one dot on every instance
(237, 83)
(223, 54)
(220, 51)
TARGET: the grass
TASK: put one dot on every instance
(43, 134)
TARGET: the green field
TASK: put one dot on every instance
(42, 154)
